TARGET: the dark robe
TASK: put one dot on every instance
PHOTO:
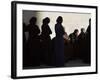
(46, 44)
(81, 40)
(74, 45)
(25, 47)
(34, 45)
(87, 49)
(59, 45)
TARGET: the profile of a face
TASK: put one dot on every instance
(59, 19)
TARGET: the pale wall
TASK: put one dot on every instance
(71, 21)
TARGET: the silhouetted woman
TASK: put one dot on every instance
(81, 43)
(34, 42)
(59, 43)
(87, 55)
(74, 44)
(25, 49)
(46, 41)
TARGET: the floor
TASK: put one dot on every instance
(70, 63)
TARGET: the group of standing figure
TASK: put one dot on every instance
(77, 46)
(39, 49)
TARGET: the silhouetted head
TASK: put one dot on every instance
(46, 20)
(90, 21)
(76, 32)
(83, 30)
(33, 20)
(59, 19)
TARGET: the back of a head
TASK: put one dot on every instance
(33, 20)
(76, 30)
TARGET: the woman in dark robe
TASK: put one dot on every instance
(87, 48)
(59, 43)
(25, 49)
(34, 43)
(46, 41)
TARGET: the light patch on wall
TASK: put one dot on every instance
(71, 21)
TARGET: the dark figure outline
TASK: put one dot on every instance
(74, 43)
(33, 43)
(81, 41)
(87, 55)
(59, 43)
(46, 42)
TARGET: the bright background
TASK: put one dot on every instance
(5, 40)
(71, 21)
